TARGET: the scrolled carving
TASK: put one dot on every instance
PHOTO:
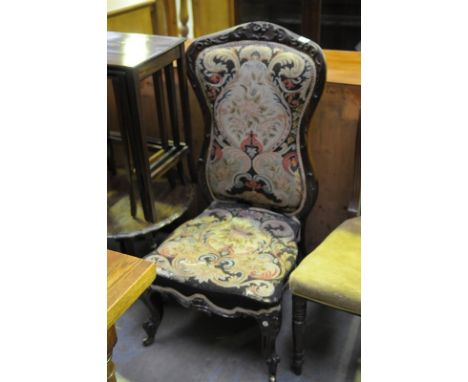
(203, 304)
(267, 32)
(260, 31)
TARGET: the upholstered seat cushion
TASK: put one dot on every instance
(231, 249)
(331, 274)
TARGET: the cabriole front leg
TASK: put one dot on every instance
(153, 301)
(270, 326)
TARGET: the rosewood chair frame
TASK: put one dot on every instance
(268, 319)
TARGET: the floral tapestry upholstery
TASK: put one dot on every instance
(233, 249)
(256, 92)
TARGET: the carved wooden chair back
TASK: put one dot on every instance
(258, 85)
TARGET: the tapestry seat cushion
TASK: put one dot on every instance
(331, 274)
(230, 249)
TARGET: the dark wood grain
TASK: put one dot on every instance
(311, 19)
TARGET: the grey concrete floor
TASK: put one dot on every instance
(191, 346)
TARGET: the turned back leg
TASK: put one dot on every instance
(270, 326)
(299, 315)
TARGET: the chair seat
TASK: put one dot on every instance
(331, 274)
(230, 249)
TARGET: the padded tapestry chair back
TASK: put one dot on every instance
(258, 85)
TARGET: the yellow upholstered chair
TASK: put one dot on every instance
(330, 275)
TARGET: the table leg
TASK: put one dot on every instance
(171, 95)
(182, 75)
(111, 341)
(140, 153)
(118, 84)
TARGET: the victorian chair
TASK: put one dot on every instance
(258, 85)
(330, 275)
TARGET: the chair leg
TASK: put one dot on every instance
(299, 315)
(270, 327)
(153, 301)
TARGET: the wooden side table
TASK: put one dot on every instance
(127, 278)
(131, 58)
